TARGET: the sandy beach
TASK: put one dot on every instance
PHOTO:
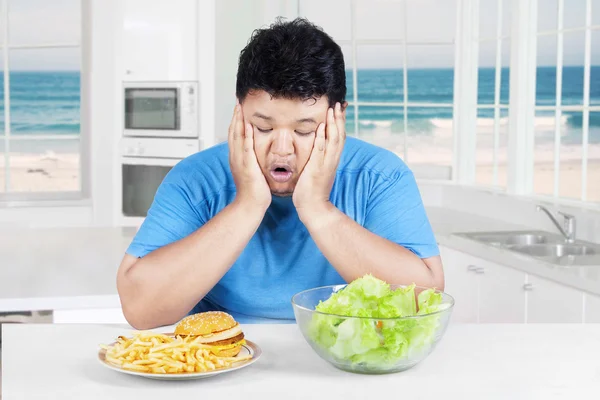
(42, 173)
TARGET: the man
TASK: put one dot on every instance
(287, 204)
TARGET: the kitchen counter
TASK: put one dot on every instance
(522, 361)
(60, 268)
(446, 223)
(75, 268)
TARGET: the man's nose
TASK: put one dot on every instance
(283, 143)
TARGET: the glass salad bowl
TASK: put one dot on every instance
(358, 329)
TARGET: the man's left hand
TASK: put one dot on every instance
(311, 194)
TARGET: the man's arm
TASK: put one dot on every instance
(183, 258)
(160, 288)
(396, 243)
(355, 251)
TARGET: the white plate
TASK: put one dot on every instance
(250, 348)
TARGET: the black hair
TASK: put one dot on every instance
(292, 60)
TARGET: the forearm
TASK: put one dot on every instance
(160, 288)
(355, 251)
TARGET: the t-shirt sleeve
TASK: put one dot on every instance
(395, 211)
(171, 217)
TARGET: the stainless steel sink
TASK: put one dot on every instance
(555, 250)
(541, 245)
(512, 238)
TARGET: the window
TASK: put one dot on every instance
(400, 74)
(40, 135)
(450, 85)
(567, 107)
(493, 76)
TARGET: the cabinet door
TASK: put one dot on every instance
(159, 41)
(501, 294)
(461, 284)
(551, 302)
(592, 308)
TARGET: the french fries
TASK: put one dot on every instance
(163, 354)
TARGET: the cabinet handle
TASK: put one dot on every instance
(472, 268)
(528, 287)
(480, 270)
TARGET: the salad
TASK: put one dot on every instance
(372, 341)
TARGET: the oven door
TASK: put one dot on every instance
(141, 178)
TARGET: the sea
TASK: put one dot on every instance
(48, 103)
(437, 86)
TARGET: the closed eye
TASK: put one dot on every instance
(304, 133)
(264, 130)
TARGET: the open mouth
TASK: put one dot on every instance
(281, 173)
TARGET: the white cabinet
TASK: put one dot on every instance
(461, 284)
(490, 293)
(483, 291)
(159, 40)
(592, 308)
(549, 301)
(501, 294)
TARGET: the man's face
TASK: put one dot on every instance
(284, 134)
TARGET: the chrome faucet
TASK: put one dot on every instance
(568, 228)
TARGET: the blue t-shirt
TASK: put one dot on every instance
(373, 186)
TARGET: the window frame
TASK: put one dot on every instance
(434, 172)
(12, 198)
(585, 108)
(522, 105)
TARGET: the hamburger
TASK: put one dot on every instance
(216, 329)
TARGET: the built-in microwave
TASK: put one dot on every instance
(161, 109)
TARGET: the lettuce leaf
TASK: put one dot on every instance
(371, 341)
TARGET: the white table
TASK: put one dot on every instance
(471, 362)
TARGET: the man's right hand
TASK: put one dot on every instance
(253, 191)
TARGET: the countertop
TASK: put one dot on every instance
(75, 268)
(447, 223)
(61, 268)
(506, 361)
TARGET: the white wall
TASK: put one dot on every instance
(207, 30)
(106, 109)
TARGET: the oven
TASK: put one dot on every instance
(145, 162)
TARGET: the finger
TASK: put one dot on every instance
(248, 145)
(333, 137)
(232, 124)
(231, 133)
(238, 132)
(340, 121)
(318, 152)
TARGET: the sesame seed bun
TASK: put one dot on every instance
(205, 323)
(213, 328)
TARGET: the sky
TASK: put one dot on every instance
(427, 21)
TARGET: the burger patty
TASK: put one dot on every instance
(225, 342)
